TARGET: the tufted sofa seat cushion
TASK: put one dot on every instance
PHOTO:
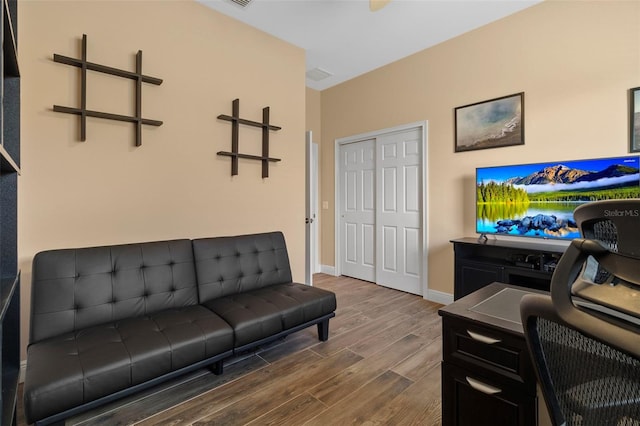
(258, 314)
(247, 280)
(101, 360)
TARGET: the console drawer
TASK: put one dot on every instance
(472, 400)
(476, 346)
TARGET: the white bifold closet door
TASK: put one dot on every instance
(381, 210)
(357, 161)
(398, 211)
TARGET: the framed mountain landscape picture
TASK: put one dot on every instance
(490, 124)
(634, 120)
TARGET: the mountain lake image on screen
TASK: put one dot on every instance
(538, 199)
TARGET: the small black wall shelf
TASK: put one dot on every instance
(235, 124)
(83, 112)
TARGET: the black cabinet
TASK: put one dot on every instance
(487, 374)
(9, 170)
(471, 400)
(478, 263)
(10, 349)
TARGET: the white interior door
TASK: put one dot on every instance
(357, 210)
(314, 204)
(398, 210)
(309, 211)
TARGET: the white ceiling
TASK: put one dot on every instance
(346, 39)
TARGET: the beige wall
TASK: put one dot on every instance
(107, 191)
(575, 61)
(314, 113)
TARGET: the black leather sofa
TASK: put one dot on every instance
(109, 321)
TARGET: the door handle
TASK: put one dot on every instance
(484, 339)
(308, 220)
(482, 387)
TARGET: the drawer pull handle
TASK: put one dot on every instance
(483, 339)
(482, 387)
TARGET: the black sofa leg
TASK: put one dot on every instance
(323, 330)
(217, 368)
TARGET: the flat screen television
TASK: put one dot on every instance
(538, 199)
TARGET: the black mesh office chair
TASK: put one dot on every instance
(584, 339)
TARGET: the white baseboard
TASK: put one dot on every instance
(329, 270)
(23, 370)
(439, 297)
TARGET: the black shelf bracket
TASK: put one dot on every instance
(235, 120)
(83, 112)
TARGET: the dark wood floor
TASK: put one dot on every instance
(381, 365)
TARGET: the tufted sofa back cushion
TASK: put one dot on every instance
(232, 265)
(77, 288)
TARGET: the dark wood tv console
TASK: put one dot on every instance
(478, 263)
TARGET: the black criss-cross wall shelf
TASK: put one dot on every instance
(83, 112)
(235, 124)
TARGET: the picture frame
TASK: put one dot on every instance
(493, 123)
(634, 119)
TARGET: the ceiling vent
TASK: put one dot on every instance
(242, 3)
(317, 74)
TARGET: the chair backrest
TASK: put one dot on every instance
(615, 225)
(584, 380)
(586, 350)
